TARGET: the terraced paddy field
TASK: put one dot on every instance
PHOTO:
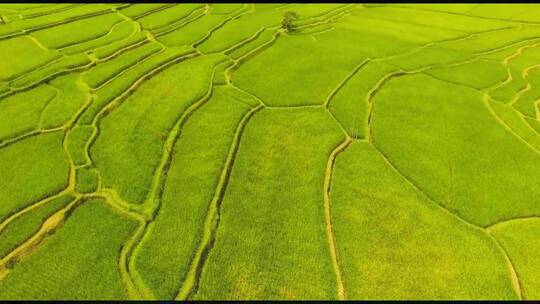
(256, 151)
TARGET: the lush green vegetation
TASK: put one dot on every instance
(165, 253)
(434, 121)
(31, 169)
(79, 261)
(27, 107)
(22, 227)
(518, 237)
(149, 113)
(269, 151)
(409, 233)
(103, 72)
(257, 214)
(77, 31)
(29, 56)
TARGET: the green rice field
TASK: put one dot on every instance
(269, 151)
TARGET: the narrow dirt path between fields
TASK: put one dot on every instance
(332, 246)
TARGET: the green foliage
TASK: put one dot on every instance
(287, 23)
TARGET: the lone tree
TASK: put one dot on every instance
(288, 19)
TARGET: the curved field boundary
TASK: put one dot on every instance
(134, 290)
(511, 269)
(181, 22)
(46, 78)
(487, 97)
(178, 22)
(153, 200)
(527, 88)
(509, 265)
(121, 50)
(211, 223)
(119, 73)
(50, 12)
(152, 205)
(238, 62)
(332, 246)
(151, 11)
(49, 25)
(68, 49)
(31, 207)
(501, 121)
(331, 18)
(343, 82)
(514, 220)
(9, 141)
(470, 16)
(117, 101)
(49, 227)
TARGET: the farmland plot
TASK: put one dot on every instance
(269, 151)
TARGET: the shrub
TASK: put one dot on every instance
(288, 20)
